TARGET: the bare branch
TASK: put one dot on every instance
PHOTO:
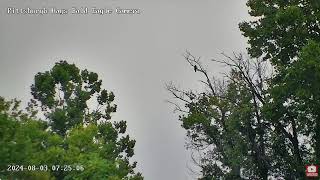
(177, 93)
(244, 67)
(177, 107)
(195, 62)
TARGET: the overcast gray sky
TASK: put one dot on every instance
(135, 55)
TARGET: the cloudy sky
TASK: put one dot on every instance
(135, 55)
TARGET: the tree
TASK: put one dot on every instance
(20, 142)
(287, 34)
(247, 126)
(67, 97)
(225, 124)
(63, 94)
(295, 106)
(74, 129)
(269, 123)
(281, 29)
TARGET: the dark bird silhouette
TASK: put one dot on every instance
(195, 68)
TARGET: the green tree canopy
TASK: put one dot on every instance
(225, 126)
(270, 124)
(74, 129)
(281, 28)
(287, 34)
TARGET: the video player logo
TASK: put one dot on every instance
(312, 171)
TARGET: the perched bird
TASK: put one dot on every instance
(195, 68)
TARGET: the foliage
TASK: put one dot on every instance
(281, 29)
(255, 127)
(225, 125)
(70, 132)
(287, 34)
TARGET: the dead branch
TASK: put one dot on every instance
(196, 63)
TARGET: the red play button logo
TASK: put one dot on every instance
(312, 171)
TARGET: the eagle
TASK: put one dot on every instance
(195, 68)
